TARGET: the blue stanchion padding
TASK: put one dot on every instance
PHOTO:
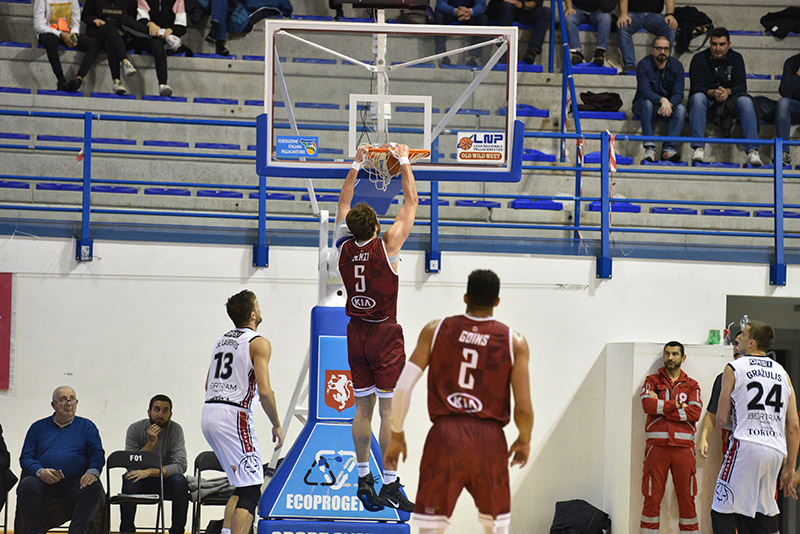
(770, 213)
(213, 193)
(414, 109)
(114, 189)
(427, 202)
(59, 187)
(591, 68)
(166, 98)
(11, 184)
(530, 204)
(60, 138)
(275, 196)
(210, 100)
(259, 103)
(9, 135)
(113, 95)
(217, 146)
(15, 44)
(530, 154)
(113, 141)
(167, 191)
(665, 163)
(471, 111)
(315, 60)
(172, 144)
(621, 207)
(322, 198)
(594, 157)
(316, 105)
(54, 92)
(727, 212)
(603, 115)
(274, 526)
(720, 164)
(478, 203)
(674, 211)
(253, 58)
(526, 110)
(19, 90)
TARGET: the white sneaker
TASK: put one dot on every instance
(128, 68)
(650, 154)
(118, 87)
(164, 90)
(173, 42)
(754, 159)
(699, 155)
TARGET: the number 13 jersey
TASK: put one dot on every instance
(470, 369)
(759, 401)
(231, 377)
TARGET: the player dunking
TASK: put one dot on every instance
(239, 373)
(475, 362)
(375, 349)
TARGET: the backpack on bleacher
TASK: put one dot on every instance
(691, 23)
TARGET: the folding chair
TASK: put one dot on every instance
(131, 460)
(205, 461)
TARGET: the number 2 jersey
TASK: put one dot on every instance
(470, 369)
(759, 399)
(231, 376)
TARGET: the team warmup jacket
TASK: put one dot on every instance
(666, 423)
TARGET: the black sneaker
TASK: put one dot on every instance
(392, 496)
(530, 56)
(628, 69)
(62, 85)
(576, 57)
(220, 49)
(599, 57)
(444, 61)
(366, 493)
(787, 159)
(472, 61)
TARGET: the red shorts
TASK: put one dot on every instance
(376, 354)
(463, 452)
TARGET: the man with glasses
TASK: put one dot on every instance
(659, 93)
(62, 458)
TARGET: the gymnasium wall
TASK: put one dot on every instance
(141, 319)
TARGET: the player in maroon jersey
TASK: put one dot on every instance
(475, 363)
(375, 348)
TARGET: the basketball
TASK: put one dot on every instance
(391, 161)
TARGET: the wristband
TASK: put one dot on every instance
(403, 160)
(356, 166)
(669, 15)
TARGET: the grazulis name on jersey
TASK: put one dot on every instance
(300, 501)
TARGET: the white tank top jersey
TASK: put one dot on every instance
(231, 377)
(759, 401)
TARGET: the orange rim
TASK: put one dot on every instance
(411, 151)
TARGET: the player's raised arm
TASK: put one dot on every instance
(348, 188)
(261, 351)
(523, 408)
(397, 234)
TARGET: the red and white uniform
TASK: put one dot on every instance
(375, 347)
(669, 432)
(469, 401)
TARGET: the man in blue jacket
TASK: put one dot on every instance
(718, 83)
(464, 12)
(788, 108)
(62, 457)
(659, 92)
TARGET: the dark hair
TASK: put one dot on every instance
(721, 31)
(362, 220)
(483, 287)
(240, 306)
(762, 334)
(162, 398)
(659, 37)
(675, 344)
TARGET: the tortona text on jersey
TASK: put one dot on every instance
(473, 338)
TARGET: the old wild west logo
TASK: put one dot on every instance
(339, 389)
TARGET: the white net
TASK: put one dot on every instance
(381, 166)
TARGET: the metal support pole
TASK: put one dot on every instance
(433, 256)
(777, 270)
(84, 249)
(604, 259)
(261, 250)
(552, 61)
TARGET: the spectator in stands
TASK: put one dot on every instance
(166, 24)
(718, 83)
(105, 20)
(598, 12)
(463, 12)
(637, 14)
(218, 33)
(787, 110)
(160, 434)
(62, 457)
(659, 92)
(531, 12)
(56, 22)
(7, 478)
(337, 8)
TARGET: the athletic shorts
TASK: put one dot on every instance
(463, 452)
(229, 431)
(747, 480)
(376, 354)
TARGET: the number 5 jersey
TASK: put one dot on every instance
(231, 377)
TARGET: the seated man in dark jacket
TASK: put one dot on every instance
(659, 91)
(788, 108)
(464, 12)
(531, 12)
(718, 83)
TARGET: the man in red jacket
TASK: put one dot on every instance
(673, 405)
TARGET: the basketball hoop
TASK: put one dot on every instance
(382, 166)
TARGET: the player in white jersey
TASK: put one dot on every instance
(239, 372)
(758, 400)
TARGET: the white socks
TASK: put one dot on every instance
(363, 470)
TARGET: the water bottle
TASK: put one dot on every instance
(743, 322)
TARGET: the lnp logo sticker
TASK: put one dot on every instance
(339, 389)
(291, 146)
(481, 147)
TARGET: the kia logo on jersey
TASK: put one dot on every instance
(361, 302)
(465, 402)
(338, 389)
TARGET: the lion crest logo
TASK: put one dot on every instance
(339, 393)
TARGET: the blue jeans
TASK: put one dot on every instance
(652, 22)
(219, 14)
(699, 104)
(786, 112)
(598, 18)
(505, 14)
(648, 112)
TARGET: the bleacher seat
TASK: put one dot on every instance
(13, 184)
(213, 193)
(726, 212)
(530, 204)
(478, 203)
(168, 191)
(617, 206)
(120, 189)
(674, 211)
